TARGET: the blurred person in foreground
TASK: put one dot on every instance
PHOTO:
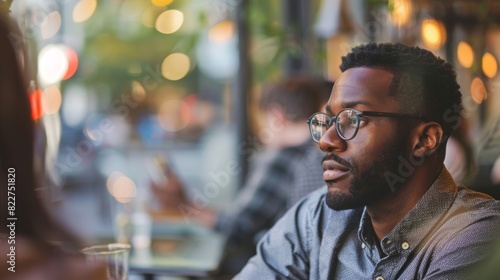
(269, 189)
(390, 209)
(33, 246)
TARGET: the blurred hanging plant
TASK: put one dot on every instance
(114, 59)
(269, 39)
(119, 49)
(272, 42)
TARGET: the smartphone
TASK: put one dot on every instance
(157, 167)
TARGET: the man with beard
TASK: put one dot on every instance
(390, 210)
(271, 186)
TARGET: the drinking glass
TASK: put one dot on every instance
(114, 255)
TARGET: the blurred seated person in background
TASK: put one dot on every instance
(495, 172)
(264, 198)
(33, 246)
(390, 209)
(306, 176)
(487, 177)
(460, 159)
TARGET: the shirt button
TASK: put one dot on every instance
(405, 245)
(387, 241)
(379, 278)
(363, 245)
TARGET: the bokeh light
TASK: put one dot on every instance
(175, 66)
(112, 179)
(52, 64)
(51, 100)
(124, 189)
(169, 21)
(50, 25)
(161, 3)
(478, 90)
(72, 57)
(465, 54)
(490, 65)
(401, 11)
(83, 10)
(36, 104)
(222, 32)
(433, 33)
(174, 115)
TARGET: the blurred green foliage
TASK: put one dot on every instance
(5, 4)
(115, 59)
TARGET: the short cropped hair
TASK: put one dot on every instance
(422, 84)
(298, 96)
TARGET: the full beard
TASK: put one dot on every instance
(370, 185)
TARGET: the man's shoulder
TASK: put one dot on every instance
(474, 209)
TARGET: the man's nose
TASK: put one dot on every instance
(331, 141)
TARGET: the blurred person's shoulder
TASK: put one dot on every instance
(27, 262)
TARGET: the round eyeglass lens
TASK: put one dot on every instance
(347, 124)
(319, 126)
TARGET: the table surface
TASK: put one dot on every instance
(179, 250)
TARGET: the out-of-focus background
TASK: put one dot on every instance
(116, 82)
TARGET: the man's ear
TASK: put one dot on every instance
(428, 138)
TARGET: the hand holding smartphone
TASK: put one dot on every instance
(166, 188)
(158, 168)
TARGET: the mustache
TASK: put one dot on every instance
(338, 159)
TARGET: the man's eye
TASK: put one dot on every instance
(353, 122)
(320, 123)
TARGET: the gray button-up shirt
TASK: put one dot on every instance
(445, 236)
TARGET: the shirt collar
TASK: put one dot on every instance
(410, 231)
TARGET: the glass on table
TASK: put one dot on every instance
(114, 255)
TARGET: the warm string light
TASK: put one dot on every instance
(400, 11)
(478, 90)
(433, 33)
(465, 54)
(489, 65)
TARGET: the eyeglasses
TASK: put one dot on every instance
(347, 122)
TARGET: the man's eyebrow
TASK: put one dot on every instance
(350, 104)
